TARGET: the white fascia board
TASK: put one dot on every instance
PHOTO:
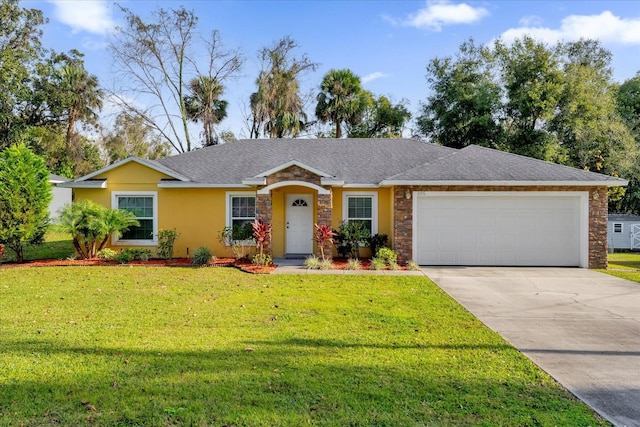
(294, 163)
(151, 165)
(255, 181)
(96, 183)
(178, 184)
(332, 182)
(620, 183)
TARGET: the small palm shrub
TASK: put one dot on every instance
(311, 263)
(353, 264)
(166, 241)
(91, 224)
(394, 266)
(201, 256)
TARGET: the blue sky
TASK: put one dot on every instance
(387, 43)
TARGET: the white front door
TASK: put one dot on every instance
(299, 223)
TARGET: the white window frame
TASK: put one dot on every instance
(153, 241)
(615, 224)
(229, 218)
(374, 207)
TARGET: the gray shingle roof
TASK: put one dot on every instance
(356, 161)
(474, 163)
(368, 162)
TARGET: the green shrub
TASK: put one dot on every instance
(311, 263)
(166, 241)
(201, 256)
(349, 237)
(261, 259)
(394, 266)
(139, 254)
(123, 257)
(378, 264)
(107, 254)
(132, 254)
(376, 242)
(25, 194)
(353, 264)
(389, 256)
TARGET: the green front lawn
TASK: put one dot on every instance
(624, 261)
(214, 346)
(57, 246)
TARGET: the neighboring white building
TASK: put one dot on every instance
(623, 232)
(61, 196)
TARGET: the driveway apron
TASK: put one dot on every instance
(580, 326)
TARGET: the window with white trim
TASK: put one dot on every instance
(617, 227)
(241, 213)
(361, 207)
(144, 206)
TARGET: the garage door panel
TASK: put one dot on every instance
(498, 230)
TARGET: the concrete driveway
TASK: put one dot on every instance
(580, 326)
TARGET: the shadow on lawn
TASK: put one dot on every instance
(289, 382)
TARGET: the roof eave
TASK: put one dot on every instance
(180, 184)
(606, 183)
(96, 183)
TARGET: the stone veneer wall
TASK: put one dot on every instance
(293, 173)
(323, 215)
(403, 217)
(265, 213)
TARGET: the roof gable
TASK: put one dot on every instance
(147, 163)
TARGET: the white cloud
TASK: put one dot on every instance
(373, 76)
(439, 13)
(92, 16)
(605, 27)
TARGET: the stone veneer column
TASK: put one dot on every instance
(265, 213)
(598, 207)
(403, 224)
(324, 213)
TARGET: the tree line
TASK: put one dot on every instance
(556, 103)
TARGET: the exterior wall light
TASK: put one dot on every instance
(407, 194)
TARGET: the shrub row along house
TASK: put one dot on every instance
(438, 205)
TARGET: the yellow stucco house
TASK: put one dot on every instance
(438, 205)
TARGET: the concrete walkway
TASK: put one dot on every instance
(580, 326)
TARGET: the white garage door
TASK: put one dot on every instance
(501, 228)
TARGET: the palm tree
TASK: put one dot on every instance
(341, 99)
(277, 104)
(80, 98)
(204, 105)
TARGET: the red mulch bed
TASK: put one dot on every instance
(341, 264)
(175, 262)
